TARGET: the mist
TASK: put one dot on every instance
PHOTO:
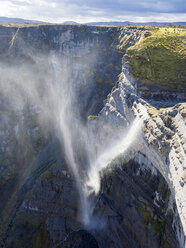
(50, 87)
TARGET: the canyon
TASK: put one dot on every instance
(90, 156)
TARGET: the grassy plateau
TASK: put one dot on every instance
(160, 56)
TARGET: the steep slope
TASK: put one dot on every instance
(141, 201)
(159, 155)
(90, 62)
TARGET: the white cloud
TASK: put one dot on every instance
(94, 10)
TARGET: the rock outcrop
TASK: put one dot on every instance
(159, 153)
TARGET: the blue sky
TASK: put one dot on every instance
(95, 10)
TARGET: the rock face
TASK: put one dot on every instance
(91, 54)
(142, 198)
(159, 153)
(23, 141)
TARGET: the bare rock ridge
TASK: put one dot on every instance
(161, 151)
(142, 199)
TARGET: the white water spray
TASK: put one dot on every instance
(58, 104)
(92, 181)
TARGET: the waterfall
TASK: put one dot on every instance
(51, 88)
(75, 136)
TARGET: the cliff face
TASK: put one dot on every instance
(141, 201)
(91, 54)
(154, 165)
(90, 62)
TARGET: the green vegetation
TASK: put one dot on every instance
(92, 117)
(48, 175)
(120, 76)
(36, 230)
(45, 176)
(160, 56)
(157, 224)
(108, 184)
(116, 67)
(152, 111)
(167, 245)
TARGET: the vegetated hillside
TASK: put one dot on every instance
(160, 56)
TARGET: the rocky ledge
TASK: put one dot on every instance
(161, 151)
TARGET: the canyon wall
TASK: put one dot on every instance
(141, 202)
